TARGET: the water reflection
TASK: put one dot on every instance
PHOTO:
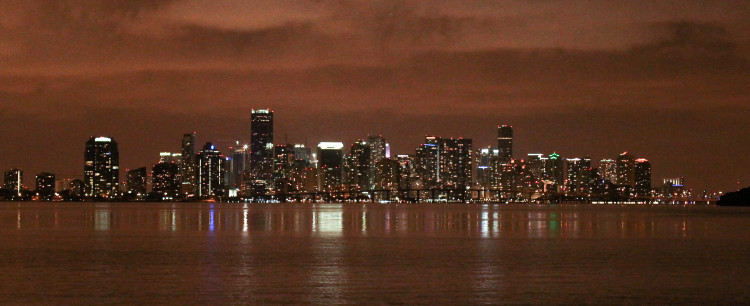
(345, 220)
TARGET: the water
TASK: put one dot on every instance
(187, 253)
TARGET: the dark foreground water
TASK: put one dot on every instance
(187, 253)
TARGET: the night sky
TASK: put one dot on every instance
(665, 80)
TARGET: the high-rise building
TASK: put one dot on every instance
(45, 186)
(358, 166)
(211, 167)
(625, 169)
(608, 170)
(166, 179)
(238, 166)
(553, 170)
(14, 181)
(505, 142)
(169, 157)
(483, 161)
(188, 165)
(535, 163)
(330, 163)
(136, 184)
(388, 174)
(101, 169)
(378, 148)
(642, 173)
(426, 162)
(261, 145)
(579, 172)
(283, 163)
(455, 163)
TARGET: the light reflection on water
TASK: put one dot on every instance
(73, 253)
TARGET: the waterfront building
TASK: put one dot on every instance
(136, 183)
(388, 174)
(283, 163)
(483, 160)
(535, 164)
(554, 171)
(608, 170)
(14, 181)
(330, 165)
(505, 143)
(169, 157)
(579, 172)
(166, 180)
(45, 186)
(261, 146)
(358, 166)
(625, 170)
(426, 162)
(101, 169)
(455, 162)
(211, 167)
(408, 176)
(238, 163)
(642, 177)
(378, 149)
(188, 178)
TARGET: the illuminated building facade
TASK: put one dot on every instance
(483, 162)
(136, 181)
(166, 179)
(426, 162)
(642, 173)
(188, 165)
(283, 163)
(238, 164)
(101, 169)
(505, 143)
(45, 186)
(553, 170)
(358, 166)
(455, 163)
(261, 146)
(330, 165)
(14, 181)
(608, 170)
(211, 168)
(378, 148)
(388, 174)
(625, 170)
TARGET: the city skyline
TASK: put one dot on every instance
(665, 80)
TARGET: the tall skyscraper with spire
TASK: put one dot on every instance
(261, 145)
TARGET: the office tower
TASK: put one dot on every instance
(101, 170)
(283, 163)
(237, 168)
(330, 163)
(302, 155)
(188, 166)
(388, 174)
(505, 142)
(261, 145)
(166, 180)
(642, 173)
(210, 172)
(608, 170)
(553, 170)
(579, 173)
(14, 181)
(535, 164)
(625, 170)
(45, 186)
(136, 183)
(455, 163)
(378, 148)
(408, 175)
(483, 161)
(426, 165)
(358, 166)
(169, 157)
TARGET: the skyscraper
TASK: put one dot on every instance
(359, 166)
(455, 163)
(239, 164)
(188, 165)
(378, 148)
(45, 186)
(625, 169)
(505, 143)
(553, 169)
(579, 172)
(642, 172)
(14, 181)
(166, 179)
(261, 145)
(101, 169)
(136, 184)
(211, 167)
(426, 162)
(483, 161)
(330, 163)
